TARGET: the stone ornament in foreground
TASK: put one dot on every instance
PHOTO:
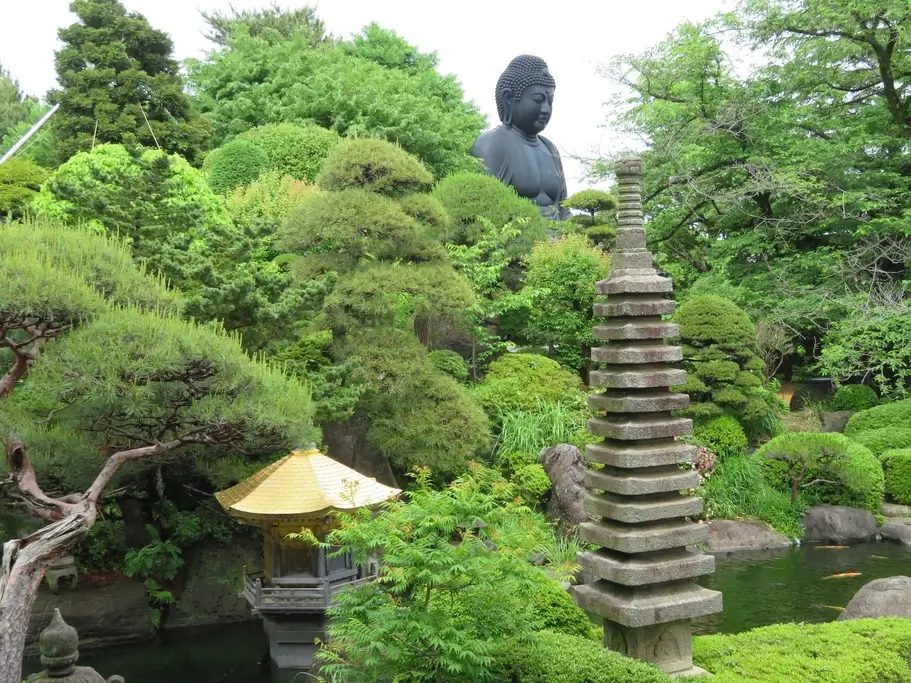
(59, 647)
(645, 590)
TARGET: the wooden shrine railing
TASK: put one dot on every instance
(297, 594)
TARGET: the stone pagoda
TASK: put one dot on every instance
(645, 590)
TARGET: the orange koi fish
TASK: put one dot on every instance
(837, 609)
(845, 575)
(830, 547)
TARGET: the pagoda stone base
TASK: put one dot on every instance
(291, 639)
(666, 645)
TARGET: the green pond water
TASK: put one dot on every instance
(759, 589)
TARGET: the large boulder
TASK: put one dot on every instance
(566, 468)
(214, 580)
(898, 529)
(894, 510)
(346, 442)
(838, 524)
(104, 613)
(890, 597)
(835, 421)
(748, 534)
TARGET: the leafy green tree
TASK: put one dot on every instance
(560, 279)
(272, 23)
(451, 585)
(592, 202)
(120, 84)
(254, 81)
(14, 106)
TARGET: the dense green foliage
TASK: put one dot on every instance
(119, 84)
(825, 468)
(14, 106)
(376, 166)
(558, 658)
(272, 23)
(560, 276)
(897, 464)
(524, 381)
(725, 372)
(723, 435)
(375, 85)
(854, 397)
(297, 151)
(235, 164)
(884, 439)
(449, 363)
(20, 180)
(896, 414)
(854, 651)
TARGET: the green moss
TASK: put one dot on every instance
(374, 165)
(885, 439)
(855, 651)
(896, 414)
(897, 466)
(558, 658)
(523, 381)
(235, 164)
(854, 397)
(296, 151)
(723, 435)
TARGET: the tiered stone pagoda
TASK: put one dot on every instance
(298, 580)
(645, 592)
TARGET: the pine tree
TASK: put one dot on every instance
(120, 84)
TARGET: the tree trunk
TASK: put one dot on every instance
(24, 563)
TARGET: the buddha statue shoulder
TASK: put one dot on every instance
(515, 151)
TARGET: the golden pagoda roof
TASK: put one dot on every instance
(302, 485)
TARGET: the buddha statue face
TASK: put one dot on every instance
(525, 94)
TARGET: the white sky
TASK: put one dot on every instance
(475, 40)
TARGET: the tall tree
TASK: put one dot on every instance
(120, 83)
(14, 106)
(273, 23)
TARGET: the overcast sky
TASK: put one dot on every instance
(475, 40)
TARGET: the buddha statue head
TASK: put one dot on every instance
(525, 95)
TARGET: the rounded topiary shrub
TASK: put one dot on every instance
(824, 468)
(343, 227)
(235, 164)
(374, 165)
(20, 180)
(854, 397)
(449, 363)
(723, 435)
(523, 381)
(559, 658)
(724, 370)
(897, 466)
(896, 414)
(884, 439)
(427, 211)
(296, 151)
(555, 607)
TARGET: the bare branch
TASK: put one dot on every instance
(114, 463)
(23, 474)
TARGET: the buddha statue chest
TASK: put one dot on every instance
(536, 176)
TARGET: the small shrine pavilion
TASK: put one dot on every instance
(298, 580)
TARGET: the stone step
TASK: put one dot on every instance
(635, 284)
(637, 353)
(646, 509)
(615, 330)
(616, 307)
(646, 401)
(641, 482)
(635, 427)
(647, 605)
(618, 454)
(637, 377)
(641, 570)
(644, 538)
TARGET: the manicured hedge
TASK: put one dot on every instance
(897, 464)
(885, 439)
(896, 414)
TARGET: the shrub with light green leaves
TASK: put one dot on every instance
(854, 397)
(897, 466)
(374, 165)
(559, 658)
(235, 164)
(523, 381)
(884, 439)
(724, 370)
(20, 180)
(293, 150)
(449, 363)
(824, 468)
(896, 414)
(723, 435)
(532, 483)
(853, 651)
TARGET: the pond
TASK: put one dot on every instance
(759, 589)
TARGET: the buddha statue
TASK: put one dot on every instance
(516, 152)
